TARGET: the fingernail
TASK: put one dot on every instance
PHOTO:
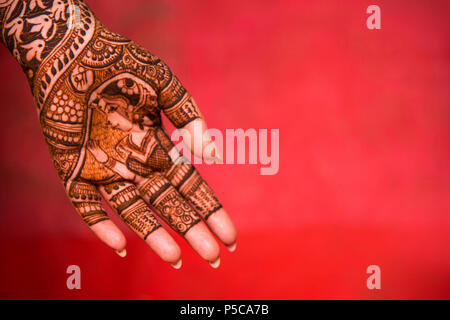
(232, 247)
(215, 264)
(122, 253)
(177, 265)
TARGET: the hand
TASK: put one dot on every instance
(99, 92)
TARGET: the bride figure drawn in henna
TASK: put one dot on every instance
(140, 153)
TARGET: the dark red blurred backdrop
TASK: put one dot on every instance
(364, 155)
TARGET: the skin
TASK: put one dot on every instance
(99, 98)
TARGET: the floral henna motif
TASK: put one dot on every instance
(37, 34)
(100, 98)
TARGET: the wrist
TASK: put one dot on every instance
(33, 29)
(45, 37)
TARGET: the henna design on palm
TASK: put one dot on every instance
(100, 97)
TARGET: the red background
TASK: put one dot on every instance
(364, 156)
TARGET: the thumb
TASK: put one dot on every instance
(199, 140)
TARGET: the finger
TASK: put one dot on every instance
(124, 198)
(197, 138)
(179, 214)
(191, 185)
(176, 103)
(181, 109)
(110, 234)
(186, 179)
(87, 201)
